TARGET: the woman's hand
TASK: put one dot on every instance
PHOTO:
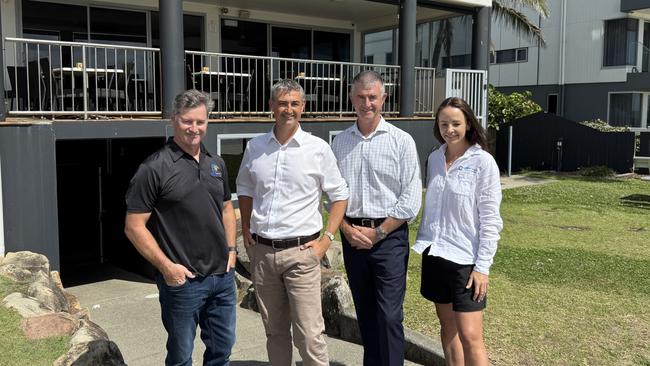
(480, 283)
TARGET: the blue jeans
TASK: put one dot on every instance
(205, 301)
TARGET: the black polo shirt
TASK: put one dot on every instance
(185, 198)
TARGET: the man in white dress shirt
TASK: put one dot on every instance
(279, 186)
(380, 164)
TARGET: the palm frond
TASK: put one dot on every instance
(518, 21)
(538, 5)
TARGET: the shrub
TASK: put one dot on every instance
(603, 126)
(504, 108)
(598, 171)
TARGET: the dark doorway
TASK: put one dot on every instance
(92, 179)
(551, 103)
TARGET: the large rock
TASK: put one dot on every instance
(243, 284)
(49, 325)
(90, 346)
(73, 305)
(24, 305)
(100, 352)
(333, 258)
(249, 301)
(88, 332)
(45, 291)
(23, 266)
(336, 298)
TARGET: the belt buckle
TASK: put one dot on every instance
(279, 241)
(368, 222)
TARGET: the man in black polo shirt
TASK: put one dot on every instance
(180, 218)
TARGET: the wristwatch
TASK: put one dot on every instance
(233, 249)
(381, 234)
(329, 235)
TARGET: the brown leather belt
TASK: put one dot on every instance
(365, 222)
(285, 243)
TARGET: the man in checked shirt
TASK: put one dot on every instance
(380, 164)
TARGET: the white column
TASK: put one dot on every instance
(2, 227)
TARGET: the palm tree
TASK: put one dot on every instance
(505, 11)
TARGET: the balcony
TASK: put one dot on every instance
(54, 79)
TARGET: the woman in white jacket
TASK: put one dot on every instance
(459, 231)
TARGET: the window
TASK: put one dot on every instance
(331, 46)
(243, 37)
(231, 149)
(379, 45)
(551, 103)
(522, 54)
(389, 58)
(626, 109)
(64, 20)
(509, 56)
(457, 61)
(118, 27)
(505, 56)
(620, 42)
(192, 31)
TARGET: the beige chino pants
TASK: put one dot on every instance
(287, 284)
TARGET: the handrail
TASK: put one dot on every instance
(55, 78)
(87, 44)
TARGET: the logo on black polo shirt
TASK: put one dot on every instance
(215, 170)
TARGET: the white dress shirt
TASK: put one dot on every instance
(461, 220)
(382, 171)
(286, 183)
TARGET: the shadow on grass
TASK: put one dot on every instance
(637, 201)
(574, 268)
(568, 176)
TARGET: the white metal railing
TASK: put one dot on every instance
(88, 79)
(73, 78)
(471, 85)
(240, 84)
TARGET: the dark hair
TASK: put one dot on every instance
(475, 133)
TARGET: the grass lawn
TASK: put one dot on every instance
(15, 348)
(570, 284)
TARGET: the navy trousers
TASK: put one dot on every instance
(378, 282)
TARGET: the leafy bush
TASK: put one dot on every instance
(603, 126)
(599, 171)
(504, 108)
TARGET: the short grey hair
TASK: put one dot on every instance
(367, 77)
(286, 86)
(191, 99)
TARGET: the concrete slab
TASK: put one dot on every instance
(126, 307)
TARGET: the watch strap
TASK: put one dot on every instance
(329, 235)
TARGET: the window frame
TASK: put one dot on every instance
(628, 59)
(644, 109)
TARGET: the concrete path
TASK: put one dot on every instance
(515, 181)
(126, 306)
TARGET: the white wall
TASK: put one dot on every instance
(583, 47)
(8, 23)
(584, 41)
(504, 37)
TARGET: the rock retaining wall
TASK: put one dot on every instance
(48, 310)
